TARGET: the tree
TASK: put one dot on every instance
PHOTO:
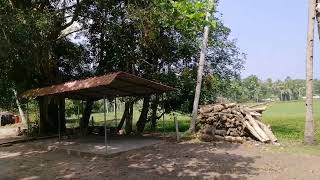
(157, 40)
(252, 84)
(35, 51)
(200, 70)
(152, 39)
(309, 124)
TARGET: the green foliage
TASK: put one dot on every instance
(160, 40)
(255, 90)
(157, 39)
(32, 54)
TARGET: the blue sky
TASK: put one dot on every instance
(273, 35)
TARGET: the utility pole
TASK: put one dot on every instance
(309, 123)
(200, 69)
(318, 16)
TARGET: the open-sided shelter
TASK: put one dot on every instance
(118, 84)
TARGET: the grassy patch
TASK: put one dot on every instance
(166, 125)
(287, 120)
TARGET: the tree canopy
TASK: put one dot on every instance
(52, 41)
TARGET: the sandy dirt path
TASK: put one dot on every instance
(164, 161)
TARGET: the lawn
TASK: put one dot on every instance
(287, 122)
(287, 119)
(168, 122)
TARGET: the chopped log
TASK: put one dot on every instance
(234, 139)
(233, 120)
(229, 139)
(255, 114)
(205, 137)
(259, 104)
(253, 131)
(214, 108)
(259, 110)
(268, 132)
(220, 138)
(209, 130)
(221, 132)
(257, 128)
(230, 105)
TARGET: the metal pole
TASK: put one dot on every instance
(78, 117)
(177, 126)
(115, 110)
(59, 123)
(107, 106)
(27, 118)
(81, 121)
(105, 124)
(163, 116)
(39, 120)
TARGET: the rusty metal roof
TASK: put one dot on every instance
(119, 84)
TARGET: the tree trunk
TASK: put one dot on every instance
(154, 108)
(62, 114)
(84, 121)
(200, 71)
(23, 118)
(309, 123)
(124, 116)
(144, 115)
(129, 119)
(43, 106)
(49, 115)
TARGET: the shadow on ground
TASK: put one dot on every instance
(163, 161)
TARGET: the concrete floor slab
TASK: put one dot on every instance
(94, 145)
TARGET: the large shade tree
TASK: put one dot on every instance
(156, 39)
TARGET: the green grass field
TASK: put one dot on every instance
(287, 119)
(287, 122)
(168, 122)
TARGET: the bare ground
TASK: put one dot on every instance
(164, 161)
(9, 132)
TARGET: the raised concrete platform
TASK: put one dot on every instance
(94, 145)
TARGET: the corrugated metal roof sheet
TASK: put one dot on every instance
(113, 84)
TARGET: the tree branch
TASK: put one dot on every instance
(11, 4)
(69, 33)
(66, 8)
(76, 13)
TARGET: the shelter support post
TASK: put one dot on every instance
(115, 111)
(27, 112)
(59, 123)
(177, 126)
(78, 115)
(107, 105)
(163, 117)
(39, 123)
(105, 124)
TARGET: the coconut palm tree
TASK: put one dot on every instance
(309, 123)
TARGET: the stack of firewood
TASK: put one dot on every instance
(233, 122)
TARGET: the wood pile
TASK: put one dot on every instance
(234, 123)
